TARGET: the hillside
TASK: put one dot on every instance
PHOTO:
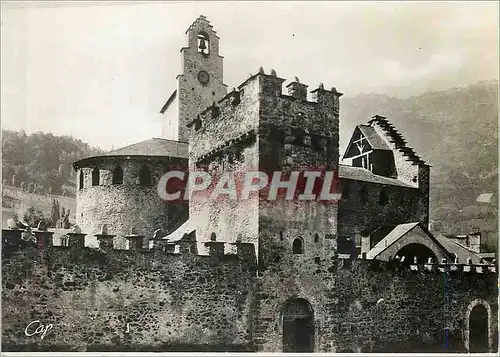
(456, 132)
(41, 163)
(36, 169)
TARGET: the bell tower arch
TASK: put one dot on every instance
(200, 82)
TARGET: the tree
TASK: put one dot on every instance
(32, 216)
(66, 224)
(54, 213)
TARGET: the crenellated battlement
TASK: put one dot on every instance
(268, 85)
(259, 104)
(187, 246)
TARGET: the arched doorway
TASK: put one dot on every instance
(478, 329)
(418, 250)
(298, 326)
(478, 337)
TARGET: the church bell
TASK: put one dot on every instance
(202, 46)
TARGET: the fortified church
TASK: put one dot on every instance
(359, 274)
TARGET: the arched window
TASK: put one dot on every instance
(117, 175)
(203, 44)
(298, 246)
(213, 237)
(316, 237)
(95, 177)
(80, 183)
(145, 176)
(317, 143)
(383, 197)
(299, 138)
(364, 194)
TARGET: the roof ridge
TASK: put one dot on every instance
(164, 139)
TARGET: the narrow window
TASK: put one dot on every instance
(364, 194)
(298, 139)
(117, 175)
(80, 184)
(298, 246)
(383, 197)
(346, 190)
(145, 176)
(95, 177)
(316, 238)
(317, 143)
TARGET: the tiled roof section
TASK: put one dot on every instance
(375, 141)
(455, 248)
(361, 174)
(396, 138)
(393, 236)
(153, 147)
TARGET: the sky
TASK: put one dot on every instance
(101, 71)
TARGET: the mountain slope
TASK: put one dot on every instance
(42, 159)
(455, 131)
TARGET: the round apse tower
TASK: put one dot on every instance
(119, 189)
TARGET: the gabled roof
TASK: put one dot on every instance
(375, 141)
(362, 174)
(392, 237)
(449, 246)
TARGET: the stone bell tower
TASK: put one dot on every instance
(200, 82)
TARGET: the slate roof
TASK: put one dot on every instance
(153, 147)
(448, 245)
(375, 141)
(362, 174)
(393, 236)
(455, 248)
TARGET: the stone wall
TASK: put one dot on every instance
(260, 128)
(369, 306)
(124, 300)
(403, 205)
(151, 301)
(127, 205)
